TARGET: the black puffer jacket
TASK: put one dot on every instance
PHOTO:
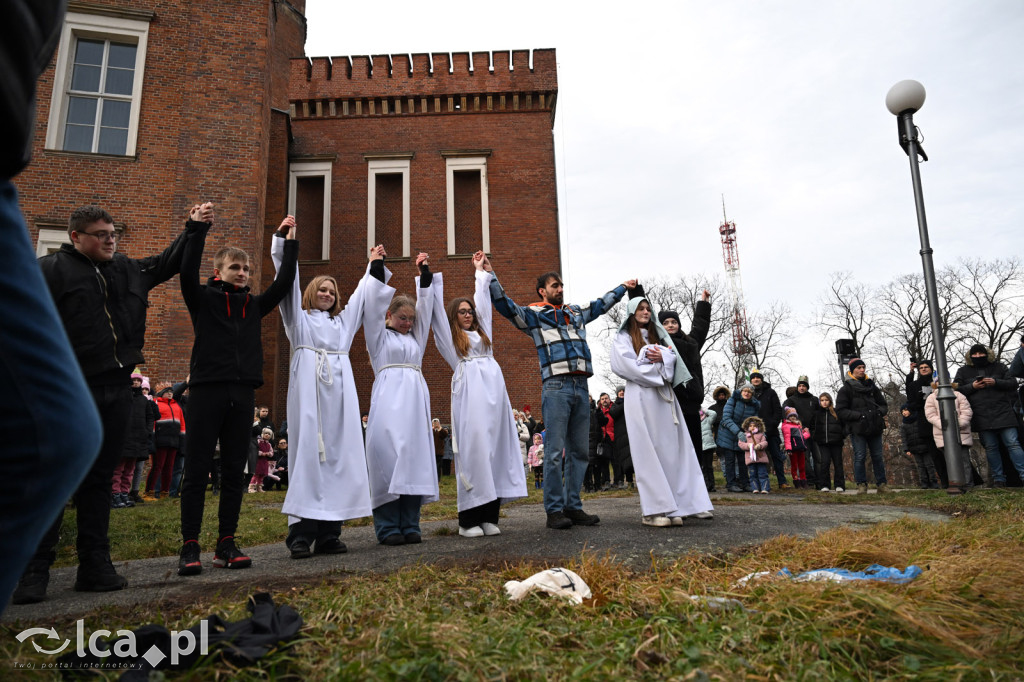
(917, 389)
(771, 409)
(138, 437)
(826, 429)
(861, 406)
(28, 35)
(103, 305)
(911, 437)
(992, 405)
(805, 405)
(620, 447)
(226, 318)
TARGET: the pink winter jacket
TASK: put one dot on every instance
(760, 444)
(787, 429)
(963, 415)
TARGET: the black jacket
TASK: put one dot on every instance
(28, 35)
(691, 394)
(138, 437)
(718, 407)
(103, 305)
(620, 447)
(917, 388)
(992, 406)
(861, 406)
(910, 436)
(826, 429)
(226, 318)
(805, 405)
(771, 409)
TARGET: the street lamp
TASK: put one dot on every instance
(902, 100)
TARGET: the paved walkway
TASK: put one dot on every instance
(739, 520)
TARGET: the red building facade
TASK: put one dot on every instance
(146, 110)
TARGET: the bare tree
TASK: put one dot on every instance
(768, 337)
(848, 308)
(991, 294)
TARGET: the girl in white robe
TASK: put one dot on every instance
(668, 475)
(399, 444)
(327, 464)
(488, 459)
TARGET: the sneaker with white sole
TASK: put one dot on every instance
(825, 489)
(474, 532)
(657, 521)
(676, 520)
(839, 490)
(706, 515)
(490, 528)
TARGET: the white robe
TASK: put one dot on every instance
(399, 443)
(488, 459)
(668, 475)
(322, 399)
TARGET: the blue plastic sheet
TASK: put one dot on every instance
(876, 572)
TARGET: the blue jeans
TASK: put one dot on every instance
(759, 476)
(861, 444)
(778, 458)
(400, 516)
(565, 406)
(51, 427)
(1008, 436)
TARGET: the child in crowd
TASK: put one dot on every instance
(916, 449)
(535, 458)
(226, 369)
(265, 452)
(754, 445)
(707, 441)
(399, 444)
(170, 436)
(137, 444)
(795, 437)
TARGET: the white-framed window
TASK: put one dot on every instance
(309, 200)
(468, 220)
(387, 205)
(97, 88)
(50, 240)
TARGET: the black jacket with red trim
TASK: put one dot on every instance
(226, 319)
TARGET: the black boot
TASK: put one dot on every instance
(32, 586)
(96, 574)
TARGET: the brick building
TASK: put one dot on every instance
(146, 110)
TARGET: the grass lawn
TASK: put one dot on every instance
(959, 621)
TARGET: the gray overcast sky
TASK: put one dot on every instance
(665, 106)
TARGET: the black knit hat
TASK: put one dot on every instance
(977, 348)
(668, 315)
(855, 363)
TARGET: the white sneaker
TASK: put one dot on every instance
(676, 520)
(839, 490)
(764, 492)
(824, 490)
(658, 521)
(704, 515)
(490, 529)
(474, 532)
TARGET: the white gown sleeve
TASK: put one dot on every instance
(291, 304)
(376, 300)
(424, 313)
(352, 314)
(482, 301)
(624, 363)
(441, 325)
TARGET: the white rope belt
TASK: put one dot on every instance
(401, 365)
(325, 376)
(457, 383)
(668, 395)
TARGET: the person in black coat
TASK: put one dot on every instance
(992, 392)
(805, 404)
(863, 409)
(918, 386)
(622, 458)
(771, 414)
(916, 448)
(828, 434)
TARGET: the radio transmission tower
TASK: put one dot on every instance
(730, 253)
